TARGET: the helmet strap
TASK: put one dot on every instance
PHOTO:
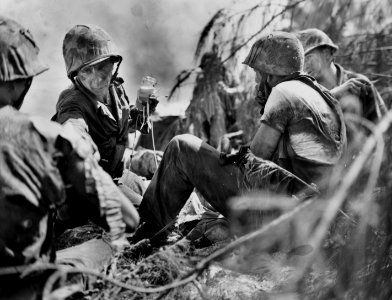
(262, 94)
(118, 66)
(18, 103)
(86, 91)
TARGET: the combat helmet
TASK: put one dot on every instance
(86, 45)
(313, 38)
(18, 52)
(277, 53)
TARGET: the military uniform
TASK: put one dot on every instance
(371, 105)
(108, 128)
(48, 173)
(371, 102)
(46, 170)
(108, 124)
(311, 141)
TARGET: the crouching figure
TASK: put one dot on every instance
(46, 170)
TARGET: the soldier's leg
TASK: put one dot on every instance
(187, 163)
(95, 254)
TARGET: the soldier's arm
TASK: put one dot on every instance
(274, 120)
(353, 86)
(137, 119)
(70, 113)
(265, 141)
(94, 186)
(374, 107)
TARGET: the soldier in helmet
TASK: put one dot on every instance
(97, 105)
(300, 139)
(46, 169)
(355, 92)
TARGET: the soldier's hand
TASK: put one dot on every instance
(225, 89)
(153, 102)
(351, 86)
(222, 87)
(224, 145)
(143, 162)
(127, 157)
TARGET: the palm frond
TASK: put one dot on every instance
(183, 76)
(272, 19)
(206, 32)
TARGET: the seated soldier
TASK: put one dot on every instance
(43, 164)
(355, 92)
(301, 137)
(97, 105)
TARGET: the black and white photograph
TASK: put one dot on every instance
(182, 149)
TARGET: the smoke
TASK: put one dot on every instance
(155, 37)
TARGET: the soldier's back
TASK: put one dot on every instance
(29, 181)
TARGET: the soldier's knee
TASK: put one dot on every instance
(183, 142)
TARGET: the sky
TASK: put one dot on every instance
(155, 37)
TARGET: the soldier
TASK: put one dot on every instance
(97, 105)
(300, 139)
(46, 169)
(356, 93)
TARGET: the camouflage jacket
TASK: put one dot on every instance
(108, 128)
(42, 163)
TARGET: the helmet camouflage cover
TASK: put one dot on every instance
(277, 53)
(85, 45)
(314, 38)
(18, 52)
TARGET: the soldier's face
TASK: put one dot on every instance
(96, 78)
(262, 88)
(315, 63)
(260, 79)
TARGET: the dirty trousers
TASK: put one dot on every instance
(132, 186)
(189, 163)
(95, 254)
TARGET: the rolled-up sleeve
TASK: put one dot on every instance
(73, 114)
(277, 111)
